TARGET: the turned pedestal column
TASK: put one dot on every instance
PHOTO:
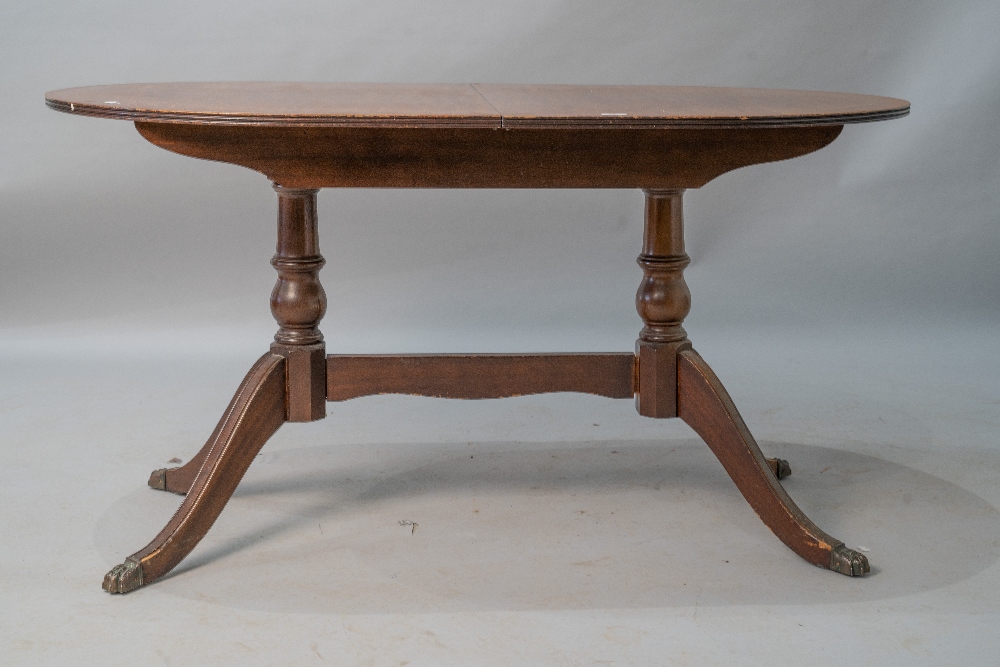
(663, 301)
(286, 384)
(298, 303)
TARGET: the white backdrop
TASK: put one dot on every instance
(894, 225)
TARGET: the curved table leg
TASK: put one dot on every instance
(255, 413)
(703, 403)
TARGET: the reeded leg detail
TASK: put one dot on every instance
(705, 405)
(255, 413)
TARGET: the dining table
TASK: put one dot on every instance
(658, 140)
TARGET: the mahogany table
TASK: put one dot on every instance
(305, 136)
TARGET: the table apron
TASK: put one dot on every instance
(324, 157)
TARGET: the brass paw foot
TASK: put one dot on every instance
(179, 482)
(779, 467)
(158, 479)
(849, 562)
(123, 578)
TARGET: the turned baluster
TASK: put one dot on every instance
(663, 301)
(298, 303)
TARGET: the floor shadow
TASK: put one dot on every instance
(445, 527)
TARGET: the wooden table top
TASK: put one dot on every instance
(382, 105)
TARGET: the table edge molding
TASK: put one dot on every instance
(497, 122)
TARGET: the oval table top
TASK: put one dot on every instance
(471, 105)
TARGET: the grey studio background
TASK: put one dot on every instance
(848, 300)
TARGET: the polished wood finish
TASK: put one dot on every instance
(662, 301)
(298, 301)
(479, 375)
(307, 136)
(305, 400)
(704, 404)
(401, 105)
(255, 413)
(480, 136)
(306, 381)
(284, 104)
(318, 157)
(563, 106)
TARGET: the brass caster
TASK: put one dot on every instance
(123, 578)
(849, 562)
(780, 468)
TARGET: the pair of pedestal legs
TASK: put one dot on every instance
(290, 383)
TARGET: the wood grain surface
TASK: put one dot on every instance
(479, 375)
(471, 105)
(384, 157)
(681, 106)
(284, 104)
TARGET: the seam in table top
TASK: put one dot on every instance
(480, 93)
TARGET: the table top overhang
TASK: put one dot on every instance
(383, 105)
